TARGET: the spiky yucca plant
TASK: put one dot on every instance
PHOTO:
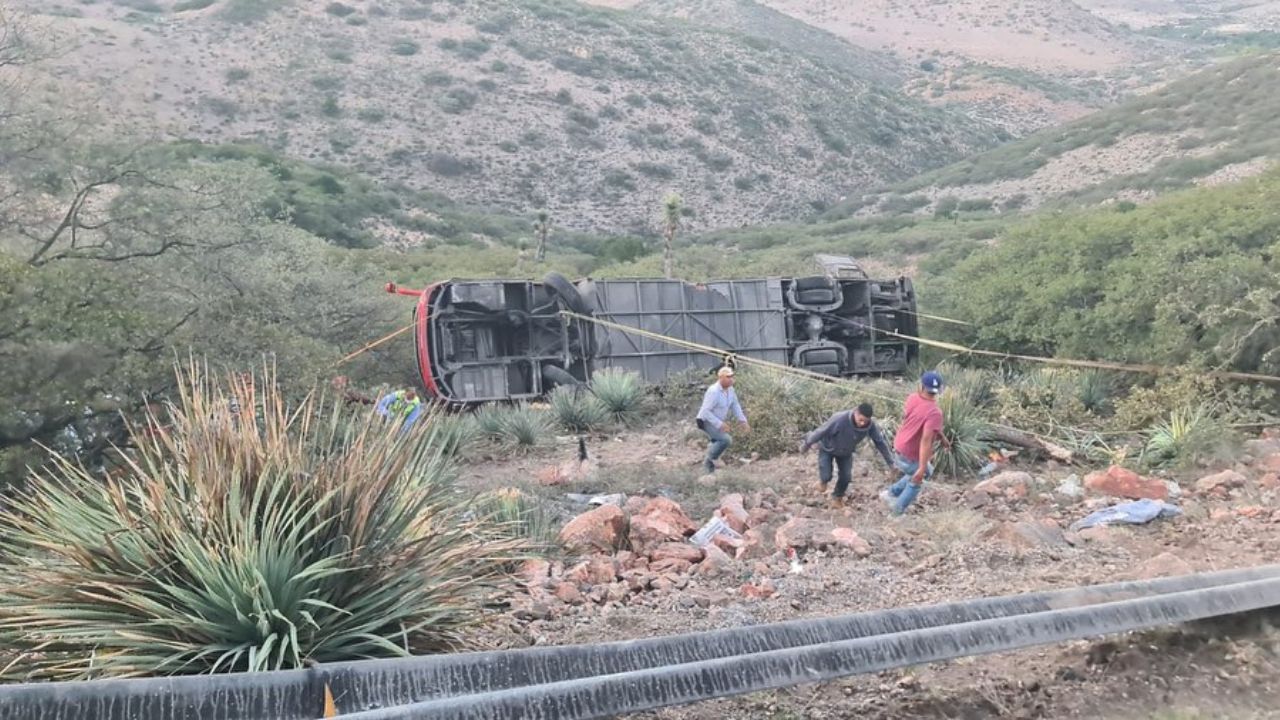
(1188, 435)
(523, 427)
(488, 420)
(621, 391)
(965, 427)
(577, 410)
(250, 541)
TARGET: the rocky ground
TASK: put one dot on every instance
(630, 571)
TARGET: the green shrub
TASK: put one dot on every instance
(306, 533)
(338, 9)
(405, 47)
(235, 75)
(577, 410)
(1187, 436)
(621, 392)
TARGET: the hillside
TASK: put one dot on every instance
(515, 104)
(1023, 66)
(1215, 126)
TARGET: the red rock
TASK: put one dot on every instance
(757, 517)
(733, 512)
(848, 538)
(715, 559)
(1121, 482)
(1253, 512)
(1219, 514)
(635, 504)
(1013, 485)
(767, 499)
(660, 521)
(670, 565)
(1271, 463)
(601, 529)
(726, 543)
(1219, 483)
(568, 594)
(677, 551)
(802, 533)
(1164, 565)
(759, 591)
(617, 592)
(753, 546)
(637, 581)
(663, 584)
(1270, 481)
(534, 571)
(596, 571)
(624, 557)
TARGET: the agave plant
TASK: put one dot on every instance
(965, 427)
(523, 427)
(251, 540)
(621, 391)
(488, 420)
(1189, 434)
(577, 410)
(1094, 390)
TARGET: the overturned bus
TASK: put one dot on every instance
(486, 340)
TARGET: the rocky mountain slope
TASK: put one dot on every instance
(515, 104)
(1215, 126)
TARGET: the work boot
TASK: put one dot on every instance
(822, 488)
(709, 466)
(837, 502)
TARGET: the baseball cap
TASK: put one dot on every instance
(725, 371)
(931, 381)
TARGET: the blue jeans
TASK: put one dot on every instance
(905, 490)
(720, 441)
(844, 465)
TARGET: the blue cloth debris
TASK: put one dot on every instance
(1137, 512)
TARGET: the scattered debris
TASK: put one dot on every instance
(618, 499)
(1070, 487)
(1138, 512)
(715, 527)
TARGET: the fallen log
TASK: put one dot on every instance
(1027, 440)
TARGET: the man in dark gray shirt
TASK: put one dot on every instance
(837, 440)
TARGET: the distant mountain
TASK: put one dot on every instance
(519, 104)
(1216, 126)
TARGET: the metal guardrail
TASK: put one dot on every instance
(590, 681)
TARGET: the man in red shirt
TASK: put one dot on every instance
(914, 443)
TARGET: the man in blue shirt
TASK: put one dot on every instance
(717, 403)
(837, 440)
(403, 405)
